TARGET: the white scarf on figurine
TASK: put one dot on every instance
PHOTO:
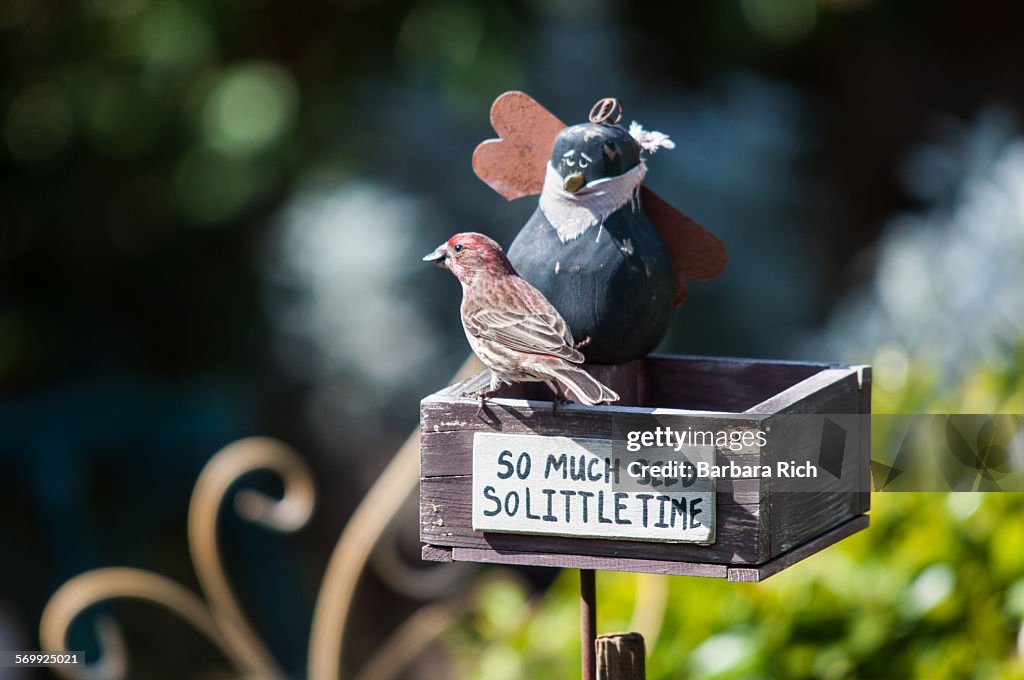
(571, 214)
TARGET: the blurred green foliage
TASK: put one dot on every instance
(934, 589)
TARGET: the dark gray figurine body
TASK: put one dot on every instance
(591, 250)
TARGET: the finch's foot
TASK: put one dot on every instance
(559, 397)
(556, 402)
(482, 397)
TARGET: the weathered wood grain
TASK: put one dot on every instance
(621, 656)
(805, 396)
(753, 573)
(705, 384)
(745, 574)
(536, 559)
(432, 553)
(801, 509)
(863, 502)
(679, 382)
(446, 519)
(801, 552)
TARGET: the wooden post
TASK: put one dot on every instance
(620, 656)
(588, 622)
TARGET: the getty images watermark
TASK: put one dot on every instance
(666, 438)
(908, 452)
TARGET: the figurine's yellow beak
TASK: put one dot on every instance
(573, 182)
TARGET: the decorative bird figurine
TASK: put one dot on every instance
(511, 326)
(592, 251)
(610, 255)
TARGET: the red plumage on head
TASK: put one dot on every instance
(483, 254)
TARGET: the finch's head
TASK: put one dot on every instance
(470, 254)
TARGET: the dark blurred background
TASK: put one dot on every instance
(212, 213)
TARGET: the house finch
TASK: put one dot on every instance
(511, 326)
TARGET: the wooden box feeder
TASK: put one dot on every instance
(735, 527)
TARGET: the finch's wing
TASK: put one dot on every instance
(524, 321)
(514, 164)
(531, 333)
(696, 253)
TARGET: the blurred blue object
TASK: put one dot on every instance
(947, 283)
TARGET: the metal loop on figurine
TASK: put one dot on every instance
(604, 109)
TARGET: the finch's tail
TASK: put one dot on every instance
(584, 386)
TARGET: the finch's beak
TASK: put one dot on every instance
(439, 256)
(574, 182)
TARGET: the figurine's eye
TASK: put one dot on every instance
(583, 164)
(570, 163)
(458, 248)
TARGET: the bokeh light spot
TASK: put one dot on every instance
(500, 662)
(119, 8)
(723, 652)
(252, 106)
(121, 117)
(929, 589)
(444, 35)
(211, 188)
(173, 35)
(781, 21)
(891, 367)
(39, 123)
(963, 505)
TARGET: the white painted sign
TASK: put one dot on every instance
(532, 484)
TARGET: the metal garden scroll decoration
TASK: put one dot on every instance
(219, 617)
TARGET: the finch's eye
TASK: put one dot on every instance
(458, 248)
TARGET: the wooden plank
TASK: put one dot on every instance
(796, 517)
(863, 500)
(705, 384)
(448, 413)
(801, 552)
(446, 520)
(745, 574)
(742, 361)
(535, 559)
(676, 382)
(801, 509)
(433, 553)
(804, 396)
